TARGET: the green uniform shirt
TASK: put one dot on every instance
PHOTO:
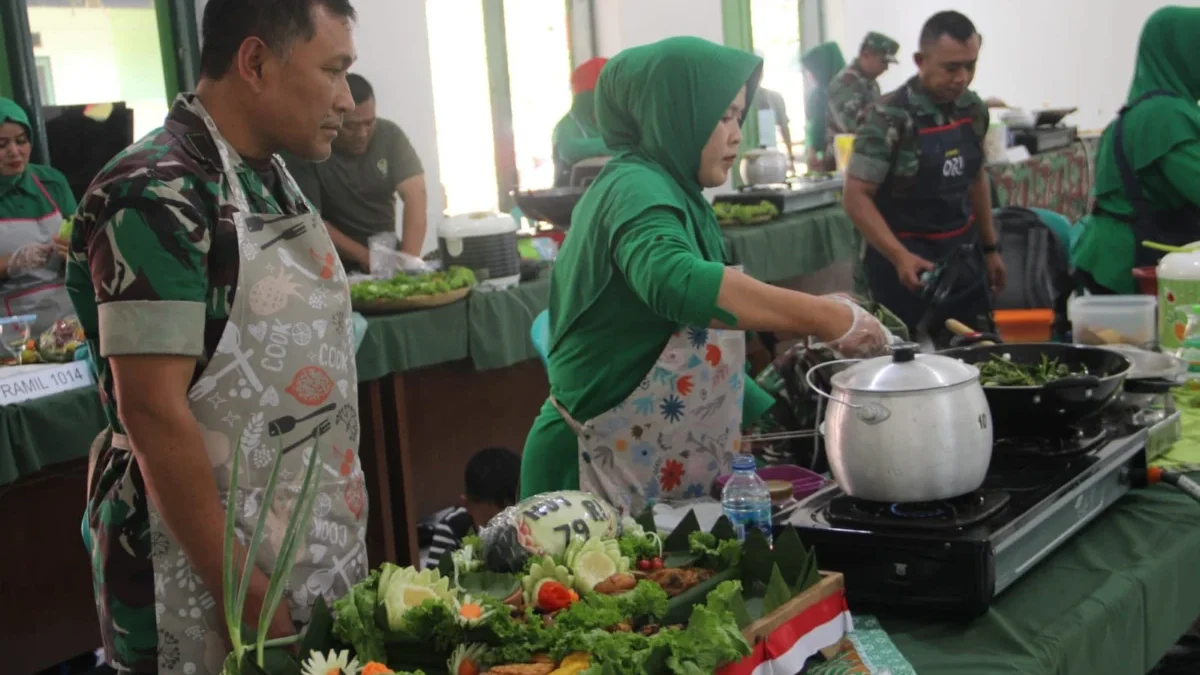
(576, 137)
(887, 144)
(152, 267)
(645, 254)
(850, 93)
(357, 194)
(21, 198)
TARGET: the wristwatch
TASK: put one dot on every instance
(989, 249)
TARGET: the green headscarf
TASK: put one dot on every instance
(1165, 61)
(10, 111)
(823, 61)
(657, 106)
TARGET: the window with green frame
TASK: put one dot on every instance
(104, 51)
(771, 28)
(501, 82)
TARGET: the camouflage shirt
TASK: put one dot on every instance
(154, 254)
(887, 145)
(849, 93)
(152, 269)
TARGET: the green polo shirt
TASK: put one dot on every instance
(357, 194)
(21, 198)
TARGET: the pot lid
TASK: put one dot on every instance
(905, 370)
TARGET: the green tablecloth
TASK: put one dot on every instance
(398, 342)
(46, 431)
(793, 245)
(499, 323)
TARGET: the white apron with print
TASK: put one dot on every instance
(41, 291)
(283, 377)
(678, 431)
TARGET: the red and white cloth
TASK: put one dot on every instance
(786, 650)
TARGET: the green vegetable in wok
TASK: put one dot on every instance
(998, 371)
(403, 286)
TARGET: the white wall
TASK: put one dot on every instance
(628, 23)
(1036, 53)
(393, 53)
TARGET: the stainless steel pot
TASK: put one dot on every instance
(907, 427)
(764, 166)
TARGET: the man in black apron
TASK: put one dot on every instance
(917, 191)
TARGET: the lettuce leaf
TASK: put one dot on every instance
(355, 622)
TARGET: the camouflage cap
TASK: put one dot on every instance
(882, 44)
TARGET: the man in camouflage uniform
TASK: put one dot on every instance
(856, 86)
(916, 187)
(179, 246)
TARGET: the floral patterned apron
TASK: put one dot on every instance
(676, 432)
(282, 378)
(40, 292)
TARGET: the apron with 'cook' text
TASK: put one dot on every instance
(282, 380)
(676, 432)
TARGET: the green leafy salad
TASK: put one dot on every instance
(403, 286)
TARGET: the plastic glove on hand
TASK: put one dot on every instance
(29, 257)
(866, 336)
(411, 264)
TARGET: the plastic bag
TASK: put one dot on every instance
(387, 260)
(16, 338)
(59, 342)
(384, 256)
(544, 525)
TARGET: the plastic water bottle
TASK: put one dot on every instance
(746, 499)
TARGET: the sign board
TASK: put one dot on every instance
(46, 380)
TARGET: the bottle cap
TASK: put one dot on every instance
(744, 462)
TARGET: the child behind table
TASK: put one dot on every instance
(490, 486)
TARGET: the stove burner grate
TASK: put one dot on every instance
(1077, 440)
(956, 513)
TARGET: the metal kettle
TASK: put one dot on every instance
(764, 166)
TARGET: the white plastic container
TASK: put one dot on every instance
(1113, 319)
(1178, 290)
(487, 244)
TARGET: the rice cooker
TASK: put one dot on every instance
(486, 243)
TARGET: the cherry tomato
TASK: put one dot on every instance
(656, 564)
(644, 565)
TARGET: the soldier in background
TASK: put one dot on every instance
(916, 187)
(855, 87)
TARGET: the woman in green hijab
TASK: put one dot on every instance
(576, 137)
(647, 349)
(34, 200)
(821, 63)
(1147, 184)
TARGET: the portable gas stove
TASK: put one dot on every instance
(799, 194)
(954, 556)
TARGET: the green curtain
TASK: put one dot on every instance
(6, 89)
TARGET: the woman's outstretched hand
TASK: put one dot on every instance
(864, 335)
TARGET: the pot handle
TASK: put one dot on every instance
(871, 413)
(1069, 383)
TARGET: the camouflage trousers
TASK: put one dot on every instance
(116, 530)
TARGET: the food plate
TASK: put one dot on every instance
(409, 304)
(733, 222)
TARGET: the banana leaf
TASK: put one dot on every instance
(778, 592)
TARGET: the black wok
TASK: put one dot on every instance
(1047, 410)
